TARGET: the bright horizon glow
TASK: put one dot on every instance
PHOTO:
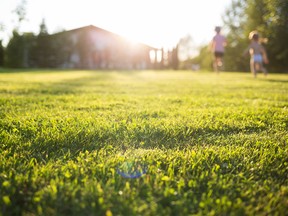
(158, 23)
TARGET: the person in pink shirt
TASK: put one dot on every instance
(218, 44)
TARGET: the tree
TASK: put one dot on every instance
(204, 59)
(234, 20)
(174, 58)
(14, 51)
(43, 28)
(18, 51)
(20, 11)
(270, 18)
(43, 46)
(277, 29)
(16, 54)
(186, 48)
(1, 54)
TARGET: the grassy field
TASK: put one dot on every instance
(143, 143)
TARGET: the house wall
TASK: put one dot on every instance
(94, 48)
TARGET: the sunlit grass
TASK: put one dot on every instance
(207, 144)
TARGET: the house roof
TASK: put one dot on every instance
(92, 27)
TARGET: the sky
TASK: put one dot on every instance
(158, 23)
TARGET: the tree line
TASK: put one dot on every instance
(269, 17)
(28, 50)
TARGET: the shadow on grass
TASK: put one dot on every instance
(33, 70)
(277, 81)
(66, 86)
(92, 78)
(71, 144)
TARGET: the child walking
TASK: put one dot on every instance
(258, 54)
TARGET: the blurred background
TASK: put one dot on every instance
(127, 34)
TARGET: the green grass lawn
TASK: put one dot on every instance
(191, 143)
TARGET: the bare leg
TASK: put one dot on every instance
(253, 68)
(215, 67)
(264, 70)
(217, 64)
(221, 64)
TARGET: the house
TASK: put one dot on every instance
(91, 47)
